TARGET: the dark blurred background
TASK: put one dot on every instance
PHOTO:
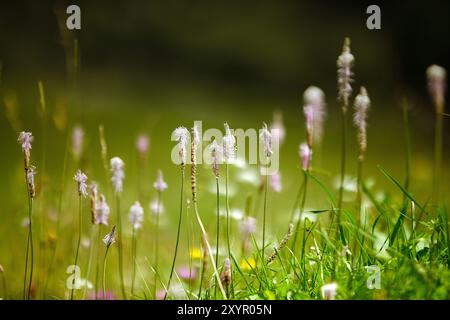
(276, 46)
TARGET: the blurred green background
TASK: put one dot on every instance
(150, 66)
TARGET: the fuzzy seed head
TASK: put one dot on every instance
(275, 182)
(142, 145)
(344, 73)
(118, 174)
(101, 211)
(329, 291)
(229, 145)
(25, 139)
(280, 133)
(437, 77)
(110, 238)
(266, 140)
(305, 155)
(31, 172)
(77, 141)
(160, 185)
(81, 180)
(136, 215)
(215, 151)
(362, 104)
(315, 113)
(182, 136)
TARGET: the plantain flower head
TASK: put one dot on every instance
(344, 73)
(118, 174)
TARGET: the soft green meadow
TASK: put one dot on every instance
(388, 238)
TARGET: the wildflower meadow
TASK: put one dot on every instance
(180, 193)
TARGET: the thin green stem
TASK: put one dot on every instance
(157, 240)
(133, 252)
(227, 204)
(178, 233)
(343, 163)
(217, 229)
(79, 240)
(99, 237)
(89, 263)
(119, 247)
(437, 157)
(263, 247)
(104, 273)
(30, 230)
(301, 209)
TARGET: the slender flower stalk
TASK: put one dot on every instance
(117, 178)
(142, 148)
(25, 139)
(436, 77)
(108, 240)
(344, 79)
(362, 103)
(204, 265)
(102, 212)
(160, 185)
(266, 141)
(182, 135)
(305, 156)
(93, 202)
(136, 216)
(81, 180)
(229, 155)
(216, 158)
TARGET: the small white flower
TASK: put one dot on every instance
(142, 144)
(81, 179)
(314, 109)
(275, 182)
(362, 103)
(118, 174)
(31, 172)
(155, 207)
(229, 145)
(195, 135)
(77, 141)
(329, 291)
(277, 127)
(305, 155)
(266, 140)
(101, 211)
(160, 184)
(182, 136)
(25, 139)
(248, 226)
(344, 72)
(85, 242)
(136, 215)
(215, 152)
(436, 76)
